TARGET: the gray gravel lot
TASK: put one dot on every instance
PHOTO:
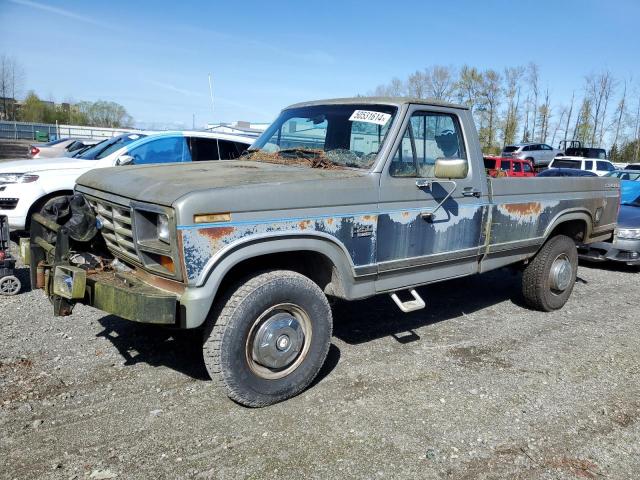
(475, 386)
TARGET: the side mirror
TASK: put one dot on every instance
(124, 160)
(451, 168)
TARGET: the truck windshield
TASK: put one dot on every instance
(325, 136)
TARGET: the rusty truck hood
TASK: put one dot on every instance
(165, 184)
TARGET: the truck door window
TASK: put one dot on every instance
(161, 150)
(517, 167)
(428, 136)
(527, 168)
(588, 165)
(505, 165)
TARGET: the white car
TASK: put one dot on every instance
(598, 166)
(26, 185)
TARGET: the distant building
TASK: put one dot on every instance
(242, 127)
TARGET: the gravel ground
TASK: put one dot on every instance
(474, 386)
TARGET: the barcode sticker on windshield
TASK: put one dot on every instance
(369, 116)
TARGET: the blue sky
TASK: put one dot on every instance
(154, 57)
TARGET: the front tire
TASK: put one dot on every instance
(269, 339)
(548, 280)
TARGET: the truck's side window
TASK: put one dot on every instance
(428, 137)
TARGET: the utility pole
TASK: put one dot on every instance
(211, 95)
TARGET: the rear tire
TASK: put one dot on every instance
(548, 280)
(269, 338)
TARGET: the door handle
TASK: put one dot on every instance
(468, 192)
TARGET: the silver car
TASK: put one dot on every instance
(540, 154)
(58, 148)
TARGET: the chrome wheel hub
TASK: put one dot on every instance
(278, 341)
(561, 273)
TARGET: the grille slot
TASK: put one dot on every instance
(116, 228)
(8, 203)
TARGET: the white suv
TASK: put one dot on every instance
(597, 166)
(26, 185)
(539, 154)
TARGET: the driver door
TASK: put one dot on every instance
(413, 248)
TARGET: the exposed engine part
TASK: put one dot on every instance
(74, 213)
(87, 261)
(118, 266)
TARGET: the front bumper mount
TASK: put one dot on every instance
(119, 293)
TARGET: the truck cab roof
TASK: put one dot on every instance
(396, 101)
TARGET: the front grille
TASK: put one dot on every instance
(116, 228)
(8, 203)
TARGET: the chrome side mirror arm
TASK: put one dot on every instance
(426, 184)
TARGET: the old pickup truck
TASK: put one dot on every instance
(344, 198)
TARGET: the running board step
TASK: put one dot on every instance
(411, 305)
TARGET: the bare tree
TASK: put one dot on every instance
(563, 112)
(636, 150)
(11, 83)
(512, 79)
(533, 78)
(394, 89)
(490, 96)
(525, 128)
(440, 82)
(544, 112)
(619, 114)
(468, 86)
(417, 85)
(598, 88)
(566, 130)
(584, 127)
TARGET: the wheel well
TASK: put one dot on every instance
(574, 229)
(38, 204)
(316, 266)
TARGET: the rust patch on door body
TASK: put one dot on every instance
(523, 209)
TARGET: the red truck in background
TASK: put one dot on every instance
(508, 167)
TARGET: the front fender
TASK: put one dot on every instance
(198, 298)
